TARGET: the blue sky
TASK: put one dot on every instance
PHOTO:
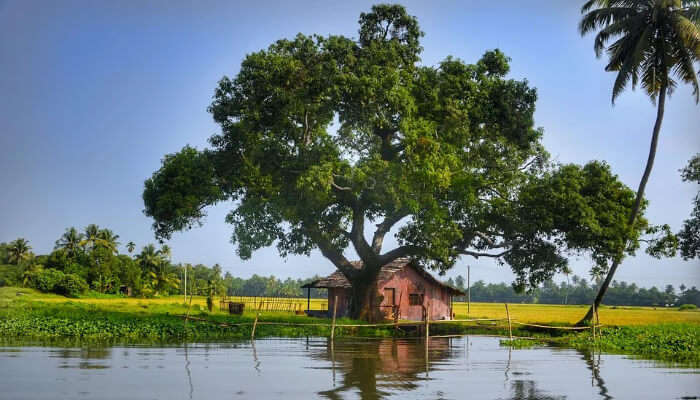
(95, 93)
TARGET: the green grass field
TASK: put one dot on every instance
(528, 313)
(570, 314)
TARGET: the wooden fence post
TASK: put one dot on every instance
(593, 322)
(427, 324)
(255, 323)
(335, 307)
(597, 318)
(510, 328)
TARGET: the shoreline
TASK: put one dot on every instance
(29, 318)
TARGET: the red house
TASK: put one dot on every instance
(404, 286)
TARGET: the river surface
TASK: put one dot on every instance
(473, 367)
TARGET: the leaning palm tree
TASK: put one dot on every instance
(70, 241)
(18, 251)
(651, 43)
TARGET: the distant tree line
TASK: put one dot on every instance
(579, 291)
(89, 260)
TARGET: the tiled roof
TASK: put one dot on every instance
(338, 280)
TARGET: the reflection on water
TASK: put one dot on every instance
(379, 367)
(527, 390)
(593, 364)
(449, 368)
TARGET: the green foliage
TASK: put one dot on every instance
(687, 307)
(4, 253)
(320, 135)
(673, 342)
(10, 275)
(580, 291)
(651, 41)
(175, 195)
(71, 285)
(690, 232)
(54, 281)
(70, 242)
(18, 251)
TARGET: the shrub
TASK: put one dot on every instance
(71, 285)
(687, 307)
(9, 275)
(47, 279)
(54, 281)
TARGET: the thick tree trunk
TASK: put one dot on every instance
(365, 301)
(637, 204)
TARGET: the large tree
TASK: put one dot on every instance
(690, 232)
(323, 136)
(649, 42)
(19, 250)
(70, 242)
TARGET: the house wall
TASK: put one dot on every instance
(343, 296)
(408, 281)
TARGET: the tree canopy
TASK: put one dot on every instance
(322, 136)
(690, 232)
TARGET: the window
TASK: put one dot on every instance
(415, 299)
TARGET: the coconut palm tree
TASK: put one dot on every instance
(567, 271)
(19, 250)
(165, 251)
(108, 240)
(162, 279)
(651, 43)
(70, 241)
(130, 247)
(91, 236)
(149, 258)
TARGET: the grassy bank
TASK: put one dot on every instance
(673, 342)
(27, 315)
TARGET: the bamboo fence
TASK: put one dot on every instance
(396, 324)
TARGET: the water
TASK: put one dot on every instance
(455, 368)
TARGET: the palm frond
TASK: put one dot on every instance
(620, 28)
(692, 13)
(604, 17)
(685, 69)
(689, 34)
(588, 5)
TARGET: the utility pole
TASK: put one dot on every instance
(469, 291)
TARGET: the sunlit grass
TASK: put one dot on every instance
(570, 314)
(528, 313)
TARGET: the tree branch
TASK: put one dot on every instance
(357, 237)
(490, 241)
(340, 188)
(400, 252)
(383, 228)
(477, 254)
(331, 253)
